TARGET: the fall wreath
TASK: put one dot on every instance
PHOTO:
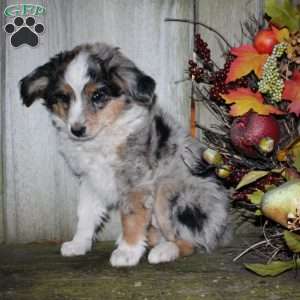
(255, 145)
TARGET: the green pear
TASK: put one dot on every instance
(279, 202)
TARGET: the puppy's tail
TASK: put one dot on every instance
(200, 216)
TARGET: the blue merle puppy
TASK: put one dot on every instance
(129, 155)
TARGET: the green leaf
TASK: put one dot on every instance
(273, 269)
(250, 177)
(295, 156)
(283, 15)
(290, 8)
(277, 170)
(292, 240)
(256, 197)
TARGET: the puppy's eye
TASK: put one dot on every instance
(99, 95)
(63, 98)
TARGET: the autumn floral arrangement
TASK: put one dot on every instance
(254, 147)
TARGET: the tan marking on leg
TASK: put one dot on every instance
(165, 192)
(153, 236)
(136, 222)
(185, 248)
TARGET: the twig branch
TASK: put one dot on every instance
(181, 80)
(274, 236)
(250, 248)
(266, 237)
(201, 24)
(275, 252)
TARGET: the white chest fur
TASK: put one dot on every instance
(95, 162)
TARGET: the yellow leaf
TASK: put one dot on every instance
(282, 35)
(244, 100)
(250, 177)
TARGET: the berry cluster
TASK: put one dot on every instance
(206, 73)
(195, 72)
(236, 175)
(272, 83)
(202, 50)
(219, 80)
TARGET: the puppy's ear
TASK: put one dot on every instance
(34, 86)
(123, 72)
(138, 85)
(143, 88)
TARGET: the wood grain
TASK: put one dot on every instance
(2, 84)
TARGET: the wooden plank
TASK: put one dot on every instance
(36, 271)
(41, 193)
(226, 19)
(2, 91)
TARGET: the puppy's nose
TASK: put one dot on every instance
(78, 130)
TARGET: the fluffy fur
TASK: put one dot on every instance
(129, 155)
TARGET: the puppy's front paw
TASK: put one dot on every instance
(164, 252)
(126, 255)
(74, 248)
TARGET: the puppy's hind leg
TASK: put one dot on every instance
(135, 221)
(154, 236)
(171, 247)
(91, 215)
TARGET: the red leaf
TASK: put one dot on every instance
(291, 93)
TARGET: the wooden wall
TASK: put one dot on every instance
(40, 195)
(2, 91)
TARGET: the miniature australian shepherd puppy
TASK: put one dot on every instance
(129, 155)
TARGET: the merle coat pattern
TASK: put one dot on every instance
(129, 155)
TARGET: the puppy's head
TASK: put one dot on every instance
(89, 88)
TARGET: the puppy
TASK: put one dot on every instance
(129, 155)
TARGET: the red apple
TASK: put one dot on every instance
(264, 41)
(247, 131)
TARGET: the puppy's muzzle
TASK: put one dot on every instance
(78, 130)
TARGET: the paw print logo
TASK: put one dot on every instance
(24, 31)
